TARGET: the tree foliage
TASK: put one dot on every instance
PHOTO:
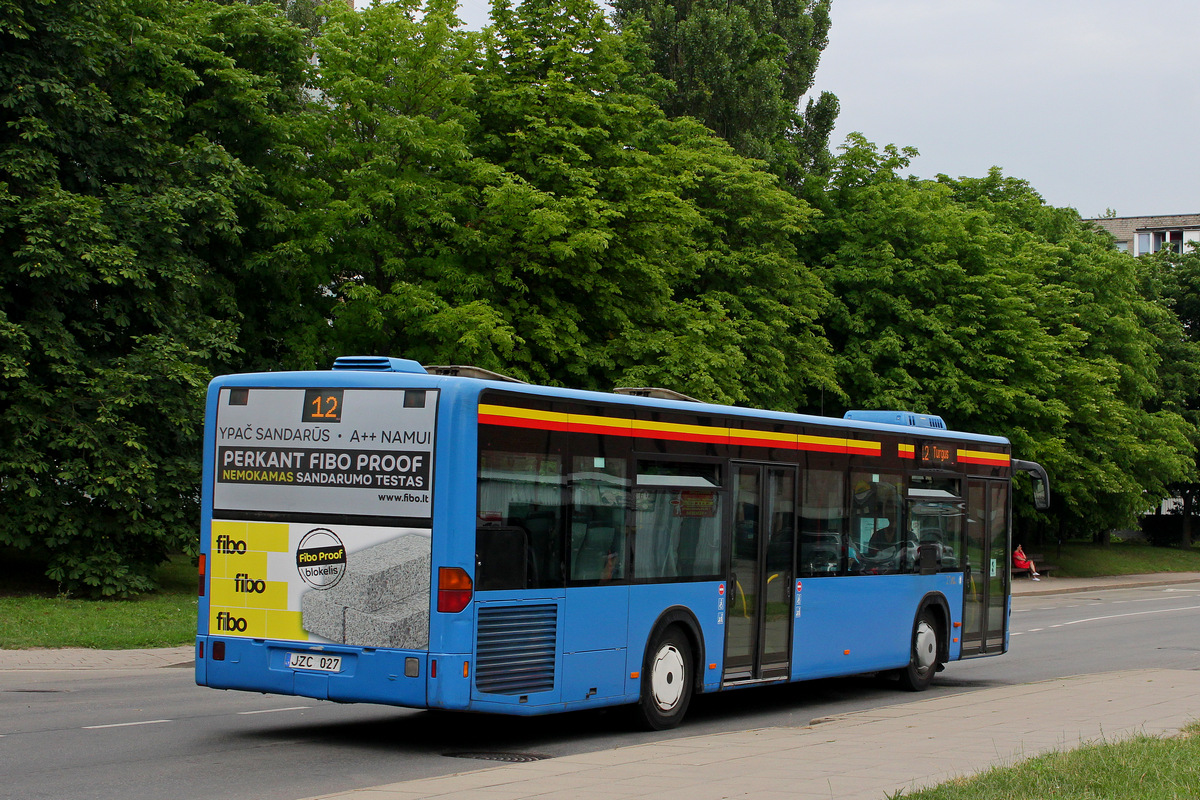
(189, 186)
(973, 299)
(521, 203)
(1175, 278)
(742, 68)
(121, 198)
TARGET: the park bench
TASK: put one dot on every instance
(1044, 568)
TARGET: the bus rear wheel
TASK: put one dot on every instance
(923, 656)
(666, 681)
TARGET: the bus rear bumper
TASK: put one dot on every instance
(393, 677)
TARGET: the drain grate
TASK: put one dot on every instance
(508, 758)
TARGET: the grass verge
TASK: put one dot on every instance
(1145, 767)
(1079, 560)
(166, 618)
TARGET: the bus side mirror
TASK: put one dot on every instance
(1041, 482)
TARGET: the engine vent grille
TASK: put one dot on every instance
(515, 649)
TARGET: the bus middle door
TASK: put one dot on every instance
(986, 589)
(758, 618)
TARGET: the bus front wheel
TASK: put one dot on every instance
(923, 657)
(666, 681)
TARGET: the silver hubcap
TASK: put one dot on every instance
(924, 647)
(666, 677)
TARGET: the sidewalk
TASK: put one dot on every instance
(868, 755)
(77, 658)
(1052, 585)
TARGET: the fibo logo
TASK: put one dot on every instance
(230, 624)
(225, 544)
(243, 583)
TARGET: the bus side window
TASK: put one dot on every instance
(879, 543)
(822, 522)
(519, 493)
(599, 497)
(677, 521)
(936, 512)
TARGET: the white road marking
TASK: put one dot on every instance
(125, 724)
(1130, 614)
(273, 710)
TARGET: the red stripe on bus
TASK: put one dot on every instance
(522, 422)
(677, 436)
(866, 448)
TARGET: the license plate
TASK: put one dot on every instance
(321, 662)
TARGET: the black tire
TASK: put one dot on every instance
(667, 681)
(923, 655)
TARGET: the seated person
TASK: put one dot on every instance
(882, 539)
(1021, 561)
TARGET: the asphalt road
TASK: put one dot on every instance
(154, 734)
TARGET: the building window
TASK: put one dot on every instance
(1153, 241)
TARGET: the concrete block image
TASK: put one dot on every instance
(382, 600)
(323, 617)
(401, 625)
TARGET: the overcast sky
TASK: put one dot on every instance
(1095, 102)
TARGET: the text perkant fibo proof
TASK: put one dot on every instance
(321, 460)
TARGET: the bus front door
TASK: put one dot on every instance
(985, 595)
(758, 618)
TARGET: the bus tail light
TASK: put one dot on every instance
(454, 589)
(200, 587)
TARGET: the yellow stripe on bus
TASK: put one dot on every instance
(979, 455)
(710, 433)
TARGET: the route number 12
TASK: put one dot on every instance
(322, 405)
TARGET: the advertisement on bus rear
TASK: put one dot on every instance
(322, 501)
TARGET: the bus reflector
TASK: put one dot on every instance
(466, 669)
(200, 586)
(433, 668)
(454, 589)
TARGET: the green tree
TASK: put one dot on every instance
(742, 68)
(1126, 440)
(973, 299)
(548, 220)
(120, 209)
(1176, 280)
(390, 194)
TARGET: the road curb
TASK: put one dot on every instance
(80, 658)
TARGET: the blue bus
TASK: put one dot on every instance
(449, 538)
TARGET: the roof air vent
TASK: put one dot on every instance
(377, 364)
(905, 418)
